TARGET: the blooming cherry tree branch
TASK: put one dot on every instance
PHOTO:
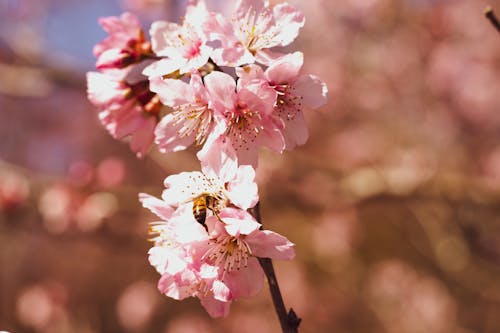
(218, 84)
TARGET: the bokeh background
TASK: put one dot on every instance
(394, 202)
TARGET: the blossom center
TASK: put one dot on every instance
(288, 104)
(244, 126)
(148, 100)
(192, 49)
(195, 118)
(229, 253)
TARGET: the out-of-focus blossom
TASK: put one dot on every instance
(408, 301)
(341, 229)
(125, 45)
(110, 172)
(81, 172)
(56, 205)
(94, 210)
(136, 305)
(48, 299)
(126, 110)
(14, 190)
(63, 208)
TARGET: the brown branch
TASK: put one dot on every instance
(490, 15)
(289, 321)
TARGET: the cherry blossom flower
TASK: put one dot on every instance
(294, 92)
(218, 262)
(235, 187)
(182, 47)
(254, 28)
(125, 45)
(247, 109)
(125, 110)
(191, 120)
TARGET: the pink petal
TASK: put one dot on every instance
(221, 291)
(167, 135)
(238, 222)
(267, 57)
(161, 67)
(295, 132)
(111, 58)
(249, 73)
(120, 29)
(175, 192)
(101, 90)
(218, 156)
(268, 244)
(272, 137)
(172, 92)
(214, 307)
(243, 6)
(312, 89)
(124, 118)
(288, 23)
(258, 96)
(246, 282)
(143, 137)
(178, 286)
(286, 69)
(221, 88)
(157, 206)
(242, 190)
(198, 61)
(164, 35)
(166, 260)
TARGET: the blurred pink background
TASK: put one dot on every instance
(394, 202)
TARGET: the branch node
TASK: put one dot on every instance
(293, 319)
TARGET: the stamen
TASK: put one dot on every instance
(228, 252)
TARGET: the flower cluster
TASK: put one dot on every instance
(212, 257)
(220, 84)
(211, 81)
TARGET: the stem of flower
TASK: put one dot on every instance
(490, 15)
(289, 320)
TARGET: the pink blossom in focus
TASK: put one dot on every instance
(183, 47)
(294, 92)
(235, 242)
(216, 262)
(126, 110)
(191, 120)
(254, 28)
(235, 187)
(247, 109)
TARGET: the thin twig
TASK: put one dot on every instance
(490, 15)
(289, 321)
